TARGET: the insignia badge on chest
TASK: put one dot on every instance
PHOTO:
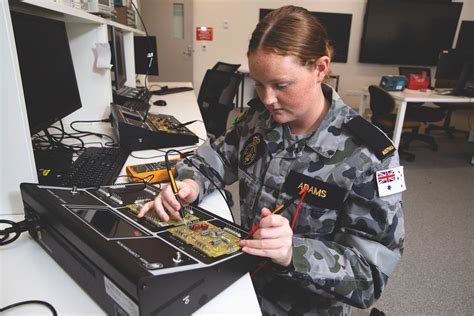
(320, 194)
(254, 149)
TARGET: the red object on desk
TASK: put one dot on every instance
(418, 81)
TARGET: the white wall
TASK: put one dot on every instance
(230, 44)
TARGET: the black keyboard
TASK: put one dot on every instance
(94, 167)
(137, 105)
(164, 91)
(134, 93)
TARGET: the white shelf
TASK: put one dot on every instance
(67, 14)
(57, 10)
(126, 28)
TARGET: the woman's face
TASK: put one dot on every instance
(290, 91)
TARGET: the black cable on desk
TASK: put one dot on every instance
(87, 133)
(16, 229)
(51, 307)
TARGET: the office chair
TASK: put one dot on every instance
(382, 105)
(449, 108)
(216, 99)
(221, 66)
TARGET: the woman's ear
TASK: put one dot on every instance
(322, 68)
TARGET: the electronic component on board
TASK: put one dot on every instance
(209, 243)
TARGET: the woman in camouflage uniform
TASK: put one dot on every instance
(299, 133)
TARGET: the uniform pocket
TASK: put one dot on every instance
(315, 221)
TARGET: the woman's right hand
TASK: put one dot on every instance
(166, 203)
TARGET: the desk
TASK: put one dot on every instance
(27, 272)
(405, 96)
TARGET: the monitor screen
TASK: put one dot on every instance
(118, 58)
(452, 62)
(46, 68)
(338, 27)
(407, 32)
(466, 36)
(144, 47)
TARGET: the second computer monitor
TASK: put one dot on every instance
(451, 63)
(466, 36)
(146, 59)
(118, 58)
(456, 65)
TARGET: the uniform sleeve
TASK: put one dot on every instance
(216, 160)
(354, 265)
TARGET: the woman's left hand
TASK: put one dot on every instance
(273, 239)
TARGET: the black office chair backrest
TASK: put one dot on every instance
(221, 66)
(381, 102)
(216, 99)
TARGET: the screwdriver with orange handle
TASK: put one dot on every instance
(174, 187)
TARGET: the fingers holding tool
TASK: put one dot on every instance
(167, 203)
(272, 238)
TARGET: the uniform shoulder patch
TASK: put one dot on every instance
(241, 117)
(255, 105)
(372, 136)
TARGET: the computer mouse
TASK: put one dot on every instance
(160, 102)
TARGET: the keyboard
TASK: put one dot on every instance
(136, 99)
(96, 166)
(164, 91)
(137, 105)
(140, 94)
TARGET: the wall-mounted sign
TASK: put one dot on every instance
(203, 33)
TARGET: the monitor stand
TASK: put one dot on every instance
(51, 164)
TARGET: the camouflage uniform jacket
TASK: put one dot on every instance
(343, 253)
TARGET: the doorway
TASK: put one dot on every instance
(171, 21)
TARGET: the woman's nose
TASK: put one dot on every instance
(268, 96)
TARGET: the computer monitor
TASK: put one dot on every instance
(466, 36)
(118, 58)
(402, 32)
(46, 68)
(456, 65)
(145, 52)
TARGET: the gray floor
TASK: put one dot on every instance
(435, 275)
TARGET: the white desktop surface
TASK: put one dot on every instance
(27, 272)
(408, 95)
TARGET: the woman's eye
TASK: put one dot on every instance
(281, 86)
